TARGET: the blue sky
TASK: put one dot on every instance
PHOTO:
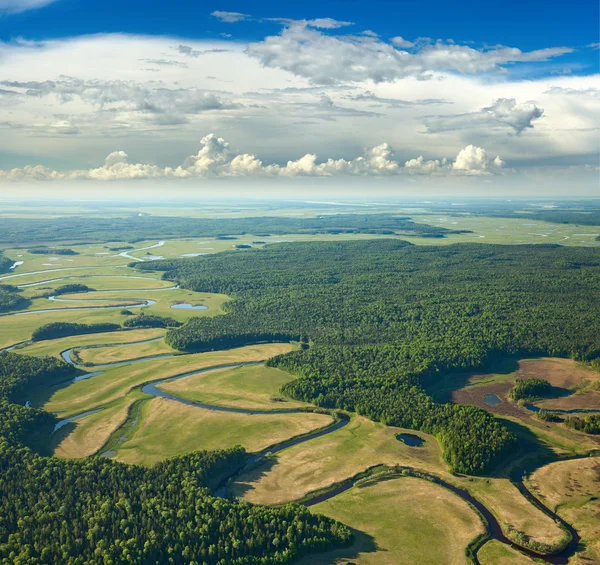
(526, 24)
(405, 91)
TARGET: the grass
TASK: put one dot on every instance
(117, 382)
(313, 465)
(54, 347)
(241, 387)
(404, 520)
(164, 301)
(104, 355)
(85, 437)
(512, 509)
(321, 462)
(572, 490)
(498, 553)
(509, 230)
(166, 428)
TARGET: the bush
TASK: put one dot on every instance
(588, 424)
(548, 416)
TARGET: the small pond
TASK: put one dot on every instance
(411, 440)
(188, 306)
(492, 400)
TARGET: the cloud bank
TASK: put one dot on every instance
(330, 59)
(215, 159)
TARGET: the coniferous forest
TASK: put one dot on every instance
(98, 511)
(385, 319)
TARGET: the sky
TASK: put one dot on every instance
(394, 97)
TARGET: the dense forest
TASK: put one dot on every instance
(137, 228)
(385, 318)
(11, 299)
(5, 263)
(65, 329)
(96, 511)
(529, 389)
(43, 250)
(151, 321)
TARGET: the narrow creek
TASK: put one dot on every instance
(151, 388)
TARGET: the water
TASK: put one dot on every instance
(66, 421)
(492, 400)
(411, 440)
(188, 306)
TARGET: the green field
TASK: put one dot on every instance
(403, 520)
(428, 524)
(497, 553)
(255, 387)
(166, 428)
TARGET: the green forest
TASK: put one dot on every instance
(96, 511)
(137, 228)
(385, 318)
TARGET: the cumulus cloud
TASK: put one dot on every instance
(229, 17)
(215, 159)
(503, 114)
(326, 59)
(471, 160)
(399, 41)
(16, 6)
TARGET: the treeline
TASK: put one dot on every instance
(11, 299)
(5, 264)
(385, 318)
(529, 389)
(588, 424)
(43, 250)
(151, 321)
(137, 228)
(66, 329)
(97, 511)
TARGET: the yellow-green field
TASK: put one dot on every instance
(404, 520)
(253, 387)
(167, 428)
(572, 489)
(116, 382)
(118, 354)
(497, 553)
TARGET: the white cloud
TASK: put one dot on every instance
(163, 105)
(215, 159)
(16, 6)
(474, 160)
(504, 114)
(399, 41)
(327, 59)
(116, 103)
(229, 17)
(471, 160)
